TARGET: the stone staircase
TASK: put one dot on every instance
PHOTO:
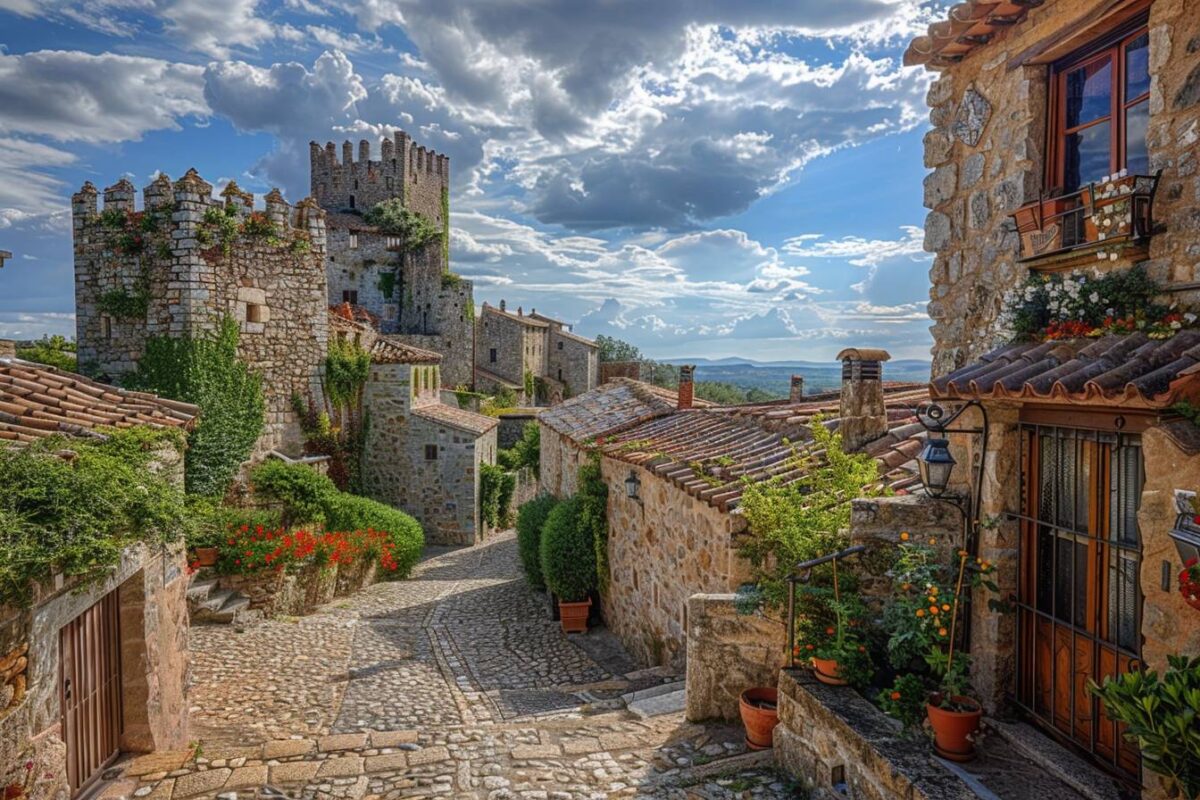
(208, 602)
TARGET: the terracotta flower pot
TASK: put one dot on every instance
(574, 616)
(826, 671)
(951, 729)
(206, 556)
(759, 707)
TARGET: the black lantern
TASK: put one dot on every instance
(632, 484)
(936, 463)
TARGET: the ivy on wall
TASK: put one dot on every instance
(496, 487)
(206, 371)
(340, 431)
(593, 510)
(124, 304)
(387, 285)
(414, 229)
(446, 228)
(75, 516)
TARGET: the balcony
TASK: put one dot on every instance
(1095, 223)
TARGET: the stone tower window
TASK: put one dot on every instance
(256, 312)
(492, 355)
(106, 331)
(350, 296)
(354, 241)
(352, 201)
(560, 345)
(390, 182)
(355, 184)
(431, 452)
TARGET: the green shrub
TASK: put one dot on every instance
(496, 487)
(414, 229)
(212, 521)
(54, 351)
(593, 512)
(531, 517)
(75, 517)
(525, 452)
(301, 491)
(568, 553)
(348, 512)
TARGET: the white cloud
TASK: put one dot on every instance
(856, 250)
(216, 27)
(27, 195)
(70, 95)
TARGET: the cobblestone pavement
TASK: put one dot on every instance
(454, 683)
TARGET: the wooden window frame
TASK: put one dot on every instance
(1110, 46)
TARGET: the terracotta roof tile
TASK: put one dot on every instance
(386, 350)
(967, 26)
(1131, 371)
(469, 421)
(611, 407)
(37, 401)
(711, 452)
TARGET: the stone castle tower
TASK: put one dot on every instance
(411, 295)
(184, 262)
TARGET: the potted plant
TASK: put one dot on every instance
(1159, 714)
(1189, 582)
(840, 657)
(568, 556)
(760, 715)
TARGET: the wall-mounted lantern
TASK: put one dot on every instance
(632, 486)
(935, 464)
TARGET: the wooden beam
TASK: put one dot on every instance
(1062, 40)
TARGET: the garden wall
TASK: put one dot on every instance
(294, 594)
(727, 653)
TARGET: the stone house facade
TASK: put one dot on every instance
(1063, 138)
(167, 270)
(137, 615)
(536, 357)
(412, 294)
(691, 459)
(421, 455)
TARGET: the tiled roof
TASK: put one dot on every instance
(710, 453)
(355, 315)
(1131, 371)
(389, 351)
(469, 421)
(616, 405)
(37, 401)
(521, 318)
(564, 330)
(967, 26)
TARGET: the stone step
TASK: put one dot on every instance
(232, 607)
(652, 691)
(216, 599)
(659, 704)
(199, 588)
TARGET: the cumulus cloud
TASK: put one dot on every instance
(856, 250)
(69, 95)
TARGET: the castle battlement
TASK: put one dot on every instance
(404, 169)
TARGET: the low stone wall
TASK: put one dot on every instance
(294, 594)
(878, 522)
(512, 426)
(829, 733)
(727, 653)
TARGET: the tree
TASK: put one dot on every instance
(613, 349)
(54, 351)
(414, 230)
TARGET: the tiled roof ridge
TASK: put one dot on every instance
(38, 400)
(1131, 371)
(387, 350)
(460, 418)
(967, 26)
(523, 318)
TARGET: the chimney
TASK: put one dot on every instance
(520, 313)
(503, 305)
(863, 414)
(796, 395)
(8, 348)
(687, 386)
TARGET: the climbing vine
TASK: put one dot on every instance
(414, 229)
(446, 228)
(496, 487)
(124, 304)
(75, 515)
(340, 430)
(387, 285)
(593, 510)
(206, 370)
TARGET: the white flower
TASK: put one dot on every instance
(1094, 297)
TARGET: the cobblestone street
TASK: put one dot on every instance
(455, 683)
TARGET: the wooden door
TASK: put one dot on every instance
(1079, 611)
(90, 690)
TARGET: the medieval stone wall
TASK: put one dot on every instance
(517, 345)
(404, 169)
(559, 463)
(662, 551)
(571, 362)
(727, 653)
(987, 152)
(187, 281)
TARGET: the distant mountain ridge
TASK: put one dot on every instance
(776, 376)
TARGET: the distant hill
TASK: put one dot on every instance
(776, 376)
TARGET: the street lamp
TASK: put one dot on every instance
(632, 485)
(935, 463)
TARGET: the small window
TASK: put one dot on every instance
(106, 327)
(492, 355)
(560, 374)
(255, 313)
(350, 296)
(354, 241)
(390, 182)
(431, 452)
(560, 344)
(356, 184)
(352, 201)
(393, 241)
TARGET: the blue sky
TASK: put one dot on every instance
(699, 177)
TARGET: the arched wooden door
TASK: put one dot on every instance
(1079, 609)
(90, 690)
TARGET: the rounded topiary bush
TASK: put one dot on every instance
(348, 512)
(568, 553)
(531, 517)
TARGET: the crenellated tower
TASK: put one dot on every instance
(186, 260)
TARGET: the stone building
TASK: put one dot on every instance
(1063, 138)
(536, 357)
(691, 460)
(410, 293)
(89, 672)
(184, 262)
(421, 455)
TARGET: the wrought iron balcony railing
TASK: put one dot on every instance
(1112, 211)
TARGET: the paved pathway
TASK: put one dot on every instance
(454, 683)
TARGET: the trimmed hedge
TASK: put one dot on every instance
(568, 553)
(308, 497)
(531, 517)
